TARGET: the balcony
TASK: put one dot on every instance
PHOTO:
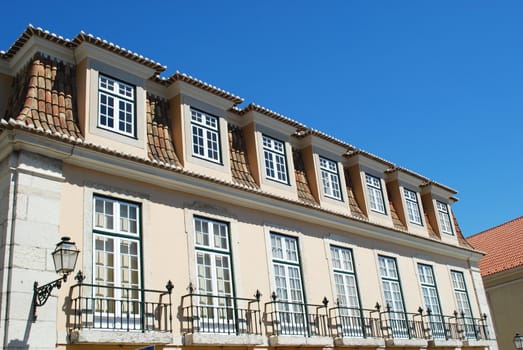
(443, 331)
(403, 329)
(355, 327)
(297, 324)
(217, 320)
(474, 331)
(109, 314)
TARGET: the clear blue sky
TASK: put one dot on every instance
(433, 86)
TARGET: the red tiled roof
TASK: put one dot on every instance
(302, 182)
(240, 169)
(43, 101)
(503, 245)
(199, 84)
(395, 217)
(159, 139)
(31, 31)
(430, 229)
(82, 37)
(43, 97)
(355, 208)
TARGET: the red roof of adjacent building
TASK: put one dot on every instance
(503, 245)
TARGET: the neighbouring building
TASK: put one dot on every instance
(205, 225)
(502, 272)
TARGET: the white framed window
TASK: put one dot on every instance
(275, 160)
(431, 300)
(393, 296)
(347, 291)
(288, 282)
(116, 104)
(460, 291)
(205, 136)
(444, 218)
(214, 275)
(375, 193)
(330, 178)
(463, 303)
(116, 262)
(413, 211)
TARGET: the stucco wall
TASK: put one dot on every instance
(506, 303)
(168, 245)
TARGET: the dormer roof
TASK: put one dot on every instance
(80, 38)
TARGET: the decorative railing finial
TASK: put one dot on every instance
(169, 286)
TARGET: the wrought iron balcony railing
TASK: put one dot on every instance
(441, 326)
(203, 313)
(404, 325)
(471, 328)
(457, 327)
(290, 318)
(120, 308)
(354, 322)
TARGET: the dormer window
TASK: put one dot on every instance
(375, 193)
(444, 218)
(205, 136)
(411, 200)
(330, 178)
(116, 106)
(274, 156)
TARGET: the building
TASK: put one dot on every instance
(205, 225)
(502, 272)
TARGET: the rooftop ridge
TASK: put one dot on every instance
(495, 227)
(27, 34)
(270, 113)
(81, 37)
(178, 76)
(90, 38)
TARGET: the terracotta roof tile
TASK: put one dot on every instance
(13, 124)
(240, 169)
(159, 134)
(106, 45)
(503, 245)
(44, 97)
(269, 113)
(199, 84)
(355, 208)
(395, 218)
(430, 229)
(302, 182)
(31, 31)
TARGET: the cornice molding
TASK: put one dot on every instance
(88, 50)
(33, 46)
(201, 185)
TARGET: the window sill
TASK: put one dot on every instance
(404, 343)
(297, 340)
(440, 343)
(479, 343)
(359, 342)
(222, 339)
(80, 336)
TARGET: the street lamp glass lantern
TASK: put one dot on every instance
(64, 256)
(518, 341)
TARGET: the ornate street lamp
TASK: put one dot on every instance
(64, 258)
(518, 341)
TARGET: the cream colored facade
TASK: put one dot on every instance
(56, 183)
(504, 291)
